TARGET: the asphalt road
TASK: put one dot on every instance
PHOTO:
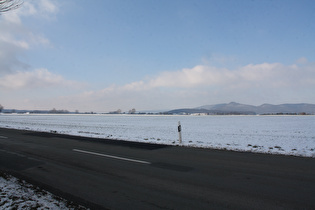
(124, 175)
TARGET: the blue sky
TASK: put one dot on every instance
(154, 55)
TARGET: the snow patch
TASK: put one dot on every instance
(18, 194)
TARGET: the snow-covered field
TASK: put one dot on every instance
(18, 194)
(288, 135)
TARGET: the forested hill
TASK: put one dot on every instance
(237, 108)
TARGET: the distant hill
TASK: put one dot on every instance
(237, 108)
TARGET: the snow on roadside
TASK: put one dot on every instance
(18, 194)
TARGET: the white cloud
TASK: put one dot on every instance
(13, 30)
(194, 77)
(262, 75)
(258, 75)
(253, 84)
(48, 7)
(40, 9)
(16, 38)
(37, 79)
(8, 38)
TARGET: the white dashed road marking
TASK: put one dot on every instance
(112, 156)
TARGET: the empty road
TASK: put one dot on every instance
(124, 175)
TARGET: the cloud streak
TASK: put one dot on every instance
(41, 9)
(21, 85)
(16, 39)
(39, 78)
(259, 75)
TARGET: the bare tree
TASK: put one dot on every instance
(7, 5)
(132, 111)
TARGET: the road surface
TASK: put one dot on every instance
(124, 175)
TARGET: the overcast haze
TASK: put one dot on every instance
(153, 55)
